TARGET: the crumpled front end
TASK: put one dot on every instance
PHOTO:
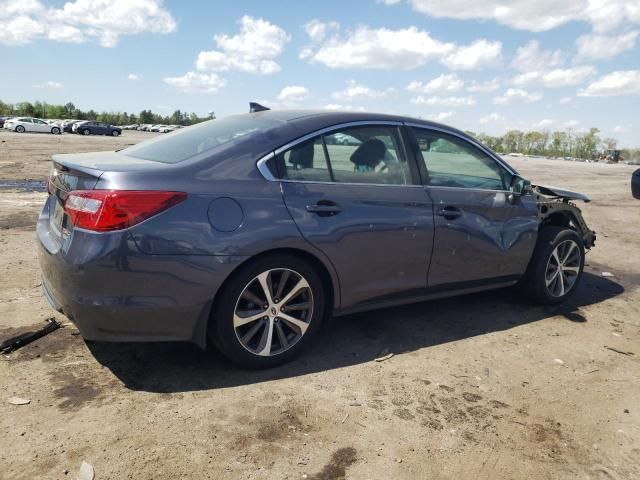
(555, 208)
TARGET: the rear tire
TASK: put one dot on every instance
(20, 129)
(282, 327)
(556, 266)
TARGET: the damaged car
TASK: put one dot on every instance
(250, 232)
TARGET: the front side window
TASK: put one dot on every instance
(369, 154)
(453, 162)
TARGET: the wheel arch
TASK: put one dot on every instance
(327, 275)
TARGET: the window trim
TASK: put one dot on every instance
(268, 175)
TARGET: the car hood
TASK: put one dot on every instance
(562, 193)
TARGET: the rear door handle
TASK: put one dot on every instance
(324, 208)
(449, 212)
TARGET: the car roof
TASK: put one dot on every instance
(317, 119)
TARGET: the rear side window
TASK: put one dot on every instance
(306, 162)
(189, 142)
(370, 154)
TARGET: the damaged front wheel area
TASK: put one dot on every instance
(556, 266)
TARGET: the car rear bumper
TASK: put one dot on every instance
(113, 292)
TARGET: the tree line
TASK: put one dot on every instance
(586, 145)
(70, 111)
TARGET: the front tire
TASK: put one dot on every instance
(556, 266)
(268, 312)
(55, 131)
(86, 131)
(115, 133)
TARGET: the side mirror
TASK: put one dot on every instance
(519, 187)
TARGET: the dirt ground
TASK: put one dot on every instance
(485, 386)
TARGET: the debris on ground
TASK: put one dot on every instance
(619, 351)
(384, 355)
(86, 471)
(558, 361)
(14, 343)
(607, 274)
(19, 401)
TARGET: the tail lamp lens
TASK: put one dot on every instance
(107, 210)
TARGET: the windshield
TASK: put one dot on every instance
(189, 142)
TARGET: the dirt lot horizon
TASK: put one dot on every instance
(484, 386)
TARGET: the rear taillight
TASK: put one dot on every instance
(106, 210)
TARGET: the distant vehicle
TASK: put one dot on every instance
(166, 128)
(145, 127)
(68, 125)
(635, 184)
(28, 124)
(156, 128)
(96, 128)
(4, 119)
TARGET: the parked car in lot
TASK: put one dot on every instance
(67, 125)
(4, 119)
(28, 124)
(96, 128)
(251, 231)
(635, 184)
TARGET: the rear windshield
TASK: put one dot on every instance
(188, 142)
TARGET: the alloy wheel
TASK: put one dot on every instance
(273, 312)
(563, 268)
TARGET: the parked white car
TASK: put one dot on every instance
(28, 124)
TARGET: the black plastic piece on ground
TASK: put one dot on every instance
(14, 343)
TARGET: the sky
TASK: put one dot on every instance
(482, 65)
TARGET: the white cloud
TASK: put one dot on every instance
(446, 101)
(253, 50)
(544, 123)
(133, 77)
(484, 87)
(535, 16)
(565, 100)
(491, 118)
(513, 95)
(318, 30)
(193, 82)
(481, 53)
(559, 77)
(293, 94)
(384, 48)
(49, 84)
(531, 57)
(440, 117)
(356, 91)
(22, 21)
(599, 47)
(621, 129)
(389, 2)
(443, 84)
(623, 82)
(337, 106)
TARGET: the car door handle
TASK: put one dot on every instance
(449, 212)
(324, 208)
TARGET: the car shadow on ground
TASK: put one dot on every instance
(348, 340)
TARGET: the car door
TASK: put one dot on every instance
(355, 195)
(27, 123)
(483, 234)
(40, 126)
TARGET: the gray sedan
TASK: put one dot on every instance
(251, 231)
